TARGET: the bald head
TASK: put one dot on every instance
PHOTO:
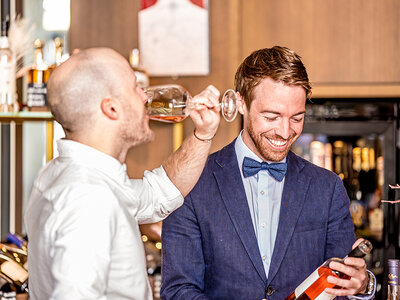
(77, 87)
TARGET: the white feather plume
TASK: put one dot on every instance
(21, 36)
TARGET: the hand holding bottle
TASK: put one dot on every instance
(353, 267)
(336, 276)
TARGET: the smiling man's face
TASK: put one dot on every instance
(275, 119)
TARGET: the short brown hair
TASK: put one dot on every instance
(278, 63)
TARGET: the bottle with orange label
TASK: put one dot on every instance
(313, 287)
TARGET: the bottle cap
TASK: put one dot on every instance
(38, 44)
(393, 263)
(58, 42)
(366, 246)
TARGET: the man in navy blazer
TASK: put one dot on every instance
(261, 219)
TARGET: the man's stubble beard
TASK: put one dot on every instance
(137, 134)
(267, 154)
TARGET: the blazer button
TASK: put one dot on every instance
(269, 290)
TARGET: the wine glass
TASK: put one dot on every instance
(172, 103)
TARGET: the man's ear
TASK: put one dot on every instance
(109, 107)
(241, 105)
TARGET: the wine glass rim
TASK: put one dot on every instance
(161, 86)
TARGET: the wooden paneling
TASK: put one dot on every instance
(341, 42)
(104, 23)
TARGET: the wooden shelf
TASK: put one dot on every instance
(22, 116)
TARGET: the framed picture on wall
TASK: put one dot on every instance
(174, 37)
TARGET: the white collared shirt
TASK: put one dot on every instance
(83, 221)
(264, 195)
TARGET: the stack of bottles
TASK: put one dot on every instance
(13, 267)
(358, 161)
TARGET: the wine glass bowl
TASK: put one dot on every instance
(172, 103)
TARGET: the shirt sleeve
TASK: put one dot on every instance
(81, 252)
(158, 196)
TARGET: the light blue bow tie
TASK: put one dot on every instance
(251, 167)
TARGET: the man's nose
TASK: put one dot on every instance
(283, 129)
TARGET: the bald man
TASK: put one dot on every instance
(83, 213)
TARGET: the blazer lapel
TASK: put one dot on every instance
(229, 181)
(293, 197)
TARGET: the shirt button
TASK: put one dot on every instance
(262, 192)
(264, 257)
(262, 224)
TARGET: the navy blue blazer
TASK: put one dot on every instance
(210, 249)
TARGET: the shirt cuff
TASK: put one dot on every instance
(366, 296)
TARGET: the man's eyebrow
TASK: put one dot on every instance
(278, 113)
(300, 113)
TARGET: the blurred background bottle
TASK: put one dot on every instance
(393, 279)
(142, 78)
(37, 78)
(58, 53)
(14, 273)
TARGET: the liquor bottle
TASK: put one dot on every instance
(14, 272)
(142, 78)
(8, 95)
(37, 78)
(19, 255)
(313, 286)
(393, 279)
(18, 241)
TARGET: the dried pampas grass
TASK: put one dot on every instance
(20, 36)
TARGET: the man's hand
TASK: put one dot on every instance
(184, 166)
(205, 113)
(353, 267)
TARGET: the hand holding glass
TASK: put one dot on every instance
(172, 103)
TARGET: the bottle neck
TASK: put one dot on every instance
(361, 250)
(59, 54)
(39, 62)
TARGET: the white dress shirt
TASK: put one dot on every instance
(264, 195)
(83, 221)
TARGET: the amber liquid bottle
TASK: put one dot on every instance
(37, 78)
(313, 287)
